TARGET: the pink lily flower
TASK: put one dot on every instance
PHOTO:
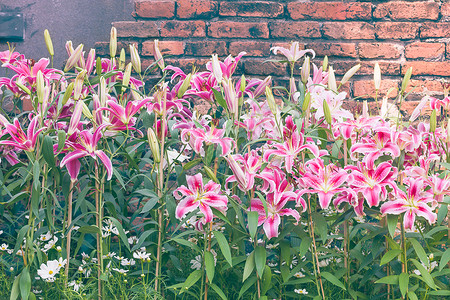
(245, 169)
(196, 195)
(27, 71)
(123, 118)
(439, 186)
(209, 135)
(85, 144)
(412, 204)
(202, 85)
(372, 182)
(228, 66)
(8, 57)
(326, 181)
(21, 140)
(294, 53)
(257, 117)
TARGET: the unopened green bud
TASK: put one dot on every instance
(102, 91)
(243, 83)
(135, 59)
(433, 121)
(79, 82)
(331, 80)
(67, 93)
(74, 58)
(349, 74)
(306, 101)
(126, 77)
(154, 145)
(210, 174)
(122, 59)
(48, 42)
(113, 42)
(406, 79)
(377, 76)
(184, 86)
(326, 111)
(325, 63)
(40, 86)
(98, 66)
(306, 70)
(23, 88)
(271, 100)
(86, 112)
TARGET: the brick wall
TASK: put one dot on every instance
(397, 34)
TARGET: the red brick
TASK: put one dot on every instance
(366, 88)
(348, 30)
(409, 106)
(330, 10)
(253, 48)
(422, 87)
(230, 29)
(437, 68)
(334, 49)
(396, 30)
(402, 10)
(154, 9)
(186, 64)
(206, 48)
(263, 9)
(195, 9)
(380, 50)
(445, 10)
(136, 29)
(295, 29)
(265, 68)
(166, 47)
(367, 67)
(183, 29)
(102, 48)
(425, 50)
(435, 30)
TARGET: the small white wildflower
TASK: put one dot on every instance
(11, 269)
(272, 246)
(142, 255)
(301, 291)
(121, 271)
(299, 275)
(46, 237)
(58, 248)
(4, 247)
(128, 262)
(49, 270)
(196, 263)
(133, 240)
(76, 286)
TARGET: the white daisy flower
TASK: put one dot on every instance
(301, 291)
(49, 270)
(4, 247)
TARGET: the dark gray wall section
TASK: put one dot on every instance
(81, 21)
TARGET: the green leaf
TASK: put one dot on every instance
(392, 221)
(420, 252)
(442, 213)
(220, 215)
(391, 279)
(20, 237)
(15, 290)
(440, 293)
(191, 280)
(333, 279)
(425, 275)
(47, 151)
(251, 281)
(186, 243)
(90, 229)
(61, 139)
(403, 281)
(260, 260)
(210, 174)
(25, 283)
(304, 246)
(412, 295)
(249, 266)
(192, 164)
(266, 279)
(151, 202)
(263, 200)
(252, 223)
(390, 255)
(209, 155)
(444, 259)
(209, 265)
(219, 98)
(320, 225)
(142, 238)
(223, 245)
(36, 173)
(122, 234)
(218, 291)
(16, 198)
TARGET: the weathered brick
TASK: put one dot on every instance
(330, 10)
(334, 49)
(445, 10)
(154, 9)
(422, 87)
(195, 9)
(102, 48)
(265, 68)
(366, 88)
(186, 64)
(285, 29)
(206, 48)
(396, 30)
(435, 30)
(402, 10)
(263, 9)
(380, 50)
(166, 47)
(183, 29)
(348, 30)
(367, 67)
(136, 29)
(424, 50)
(437, 68)
(231, 29)
(253, 48)
(409, 106)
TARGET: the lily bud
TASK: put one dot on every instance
(416, 113)
(158, 56)
(216, 69)
(122, 59)
(23, 88)
(102, 91)
(349, 74)
(86, 112)
(210, 174)
(78, 86)
(69, 48)
(271, 100)
(48, 42)
(231, 98)
(113, 42)
(98, 66)
(40, 86)
(154, 145)
(331, 80)
(67, 93)
(136, 95)
(135, 59)
(184, 86)
(365, 110)
(406, 79)
(433, 121)
(74, 58)
(90, 61)
(76, 117)
(243, 83)
(306, 101)
(126, 77)
(448, 131)
(306, 70)
(325, 63)
(326, 111)
(377, 76)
